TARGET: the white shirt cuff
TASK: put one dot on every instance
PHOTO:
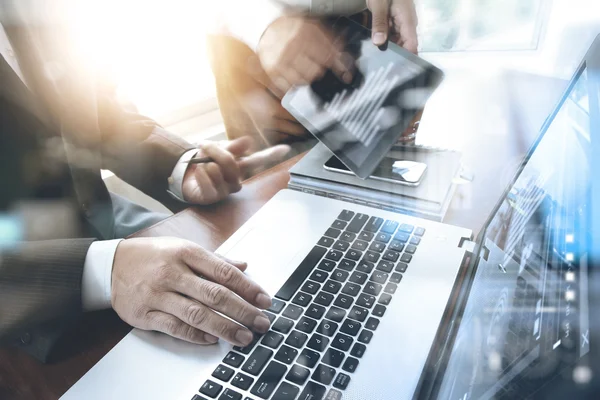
(176, 178)
(97, 275)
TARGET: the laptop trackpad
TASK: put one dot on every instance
(267, 255)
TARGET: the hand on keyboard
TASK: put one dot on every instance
(176, 287)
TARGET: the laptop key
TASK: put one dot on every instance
(298, 375)
(348, 236)
(391, 255)
(323, 374)
(365, 300)
(198, 397)
(308, 358)
(333, 395)
(366, 236)
(326, 265)
(229, 394)
(415, 240)
(372, 323)
(385, 299)
(334, 255)
(312, 391)
(211, 389)
(222, 373)
(268, 381)
(292, 311)
(358, 350)
(360, 245)
(296, 339)
(365, 266)
(276, 306)
(373, 224)
(337, 224)
(310, 287)
(282, 325)
(342, 342)
(346, 215)
(257, 360)
(371, 257)
(340, 275)
(379, 310)
(332, 287)
(324, 298)
(299, 275)
(401, 267)
(354, 254)
(350, 365)
(389, 227)
(248, 348)
(333, 233)
(315, 311)
(385, 266)
(372, 288)
(318, 342)
(350, 327)
(327, 328)
(358, 277)
(402, 237)
(406, 228)
(383, 237)
(333, 357)
(358, 313)
(341, 381)
(319, 276)
(379, 277)
(325, 241)
(285, 391)
(286, 354)
(272, 339)
(377, 246)
(271, 317)
(302, 299)
(242, 381)
(347, 265)
(306, 325)
(390, 288)
(335, 314)
(233, 359)
(341, 245)
(420, 231)
(343, 301)
(365, 336)
(395, 278)
(406, 258)
(396, 245)
(351, 289)
(357, 223)
(411, 248)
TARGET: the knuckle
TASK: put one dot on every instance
(196, 315)
(225, 273)
(216, 294)
(225, 329)
(171, 326)
(139, 313)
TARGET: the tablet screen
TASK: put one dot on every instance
(360, 122)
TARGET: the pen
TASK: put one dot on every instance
(206, 160)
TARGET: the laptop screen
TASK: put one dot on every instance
(526, 317)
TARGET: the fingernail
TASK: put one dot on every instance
(210, 338)
(379, 38)
(347, 77)
(263, 301)
(244, 337)
(261, 324)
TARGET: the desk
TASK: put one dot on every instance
(492, 156)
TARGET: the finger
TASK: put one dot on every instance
(205, 187)
(293, 77)
(405, 22)
(380, 10)
(225, 163)
(263, 157)
(172, 326)
(282, 85)
(201, 317)
(310, 70)
(222, 187)
(241, 265)
(239, 146)
(225, 274)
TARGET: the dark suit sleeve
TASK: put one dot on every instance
(136, 148)
(40, 286)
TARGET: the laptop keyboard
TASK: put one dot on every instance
(324, 316)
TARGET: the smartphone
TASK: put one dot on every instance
(391, 170)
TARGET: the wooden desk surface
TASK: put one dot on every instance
(492, 152)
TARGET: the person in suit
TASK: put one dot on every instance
(255, 61)
(59, 125)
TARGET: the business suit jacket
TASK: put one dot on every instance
(55, 136)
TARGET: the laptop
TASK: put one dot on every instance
(375, 305)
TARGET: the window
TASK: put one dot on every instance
(459, 25)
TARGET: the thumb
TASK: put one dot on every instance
(381, 17)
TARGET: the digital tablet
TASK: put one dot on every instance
(360, 122)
